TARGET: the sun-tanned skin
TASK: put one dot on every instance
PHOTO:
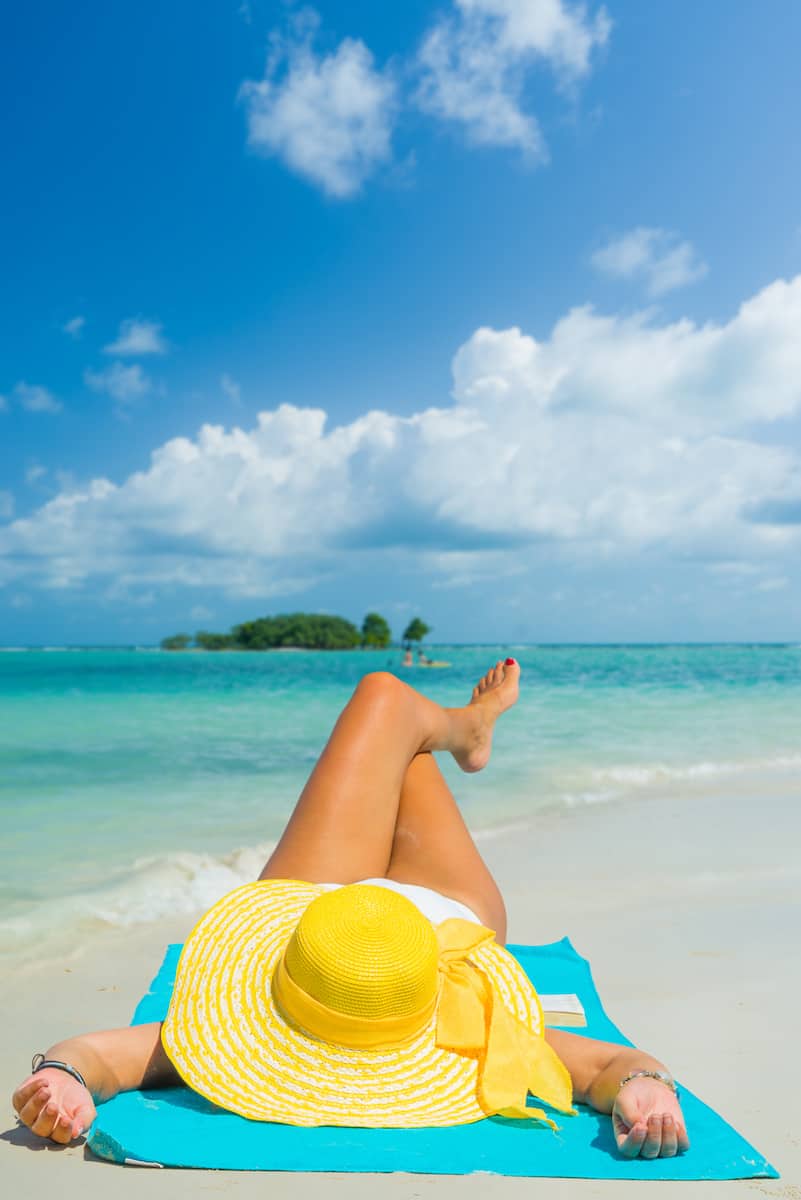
(376, 805)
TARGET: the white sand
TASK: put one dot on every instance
(689, 909)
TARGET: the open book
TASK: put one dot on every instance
(563, 1008)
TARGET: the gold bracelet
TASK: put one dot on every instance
(662, 1076)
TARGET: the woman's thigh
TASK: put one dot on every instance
(434, 848)
(343, 826)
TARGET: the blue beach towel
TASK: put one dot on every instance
(175, 1127)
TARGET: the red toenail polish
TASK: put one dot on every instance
(510, 662)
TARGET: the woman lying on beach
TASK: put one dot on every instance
(362, 980)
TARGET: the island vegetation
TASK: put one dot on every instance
(299, 631)
(376, 633)
(415, 631)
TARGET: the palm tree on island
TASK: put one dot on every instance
(376, 634)
(415, 631)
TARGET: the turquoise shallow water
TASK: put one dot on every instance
(134, 783)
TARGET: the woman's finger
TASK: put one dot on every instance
(682, 1140)
(669, 1137)
(62, 1129)
(30, 1111)
(652, 1145)
(629, 1143)
(43, 1125)
(26, 1090)
(83, 1119)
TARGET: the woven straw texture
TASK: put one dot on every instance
(228, 1041)
(364, 951)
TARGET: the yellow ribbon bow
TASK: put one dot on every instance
(473, 1019)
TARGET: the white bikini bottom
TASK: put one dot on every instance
(432, 904)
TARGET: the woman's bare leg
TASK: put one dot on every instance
(434, 848)
(343, 826)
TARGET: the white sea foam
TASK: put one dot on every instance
(180, 882)
(646, 775)
(603, 785)
(489, 833)
(577, 799)
(150, 889)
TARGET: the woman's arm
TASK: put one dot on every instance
(646, 1113)
(53, 1104)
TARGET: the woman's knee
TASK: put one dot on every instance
(381, 686)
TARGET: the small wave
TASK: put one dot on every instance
(181, 882)
(578, 799)
(150, 889)
(655, 773)
(490, 832)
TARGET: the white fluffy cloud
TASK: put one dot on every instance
(329, 116)
(473, 64)
(613, 437)
(35, 398)
(659, 258)
(124, 384)
(137, 337)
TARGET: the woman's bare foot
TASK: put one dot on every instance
(493, 694)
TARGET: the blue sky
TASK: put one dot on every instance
(515, 286)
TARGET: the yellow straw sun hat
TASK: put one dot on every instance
(312, 1007)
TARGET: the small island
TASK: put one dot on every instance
(299, 631)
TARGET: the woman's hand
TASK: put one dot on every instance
(54, 1105)
(648, 1121)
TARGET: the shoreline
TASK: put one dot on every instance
(687, 912)
(207, 873)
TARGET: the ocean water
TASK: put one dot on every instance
(135, 783)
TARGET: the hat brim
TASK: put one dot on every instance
(229, 1042)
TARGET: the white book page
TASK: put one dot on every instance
(566, 1002)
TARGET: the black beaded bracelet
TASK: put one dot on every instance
(40, 1063)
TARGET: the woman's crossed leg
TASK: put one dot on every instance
(376, 804)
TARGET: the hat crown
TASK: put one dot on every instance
(365, 951)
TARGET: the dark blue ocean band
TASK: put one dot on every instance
(43, 1063)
